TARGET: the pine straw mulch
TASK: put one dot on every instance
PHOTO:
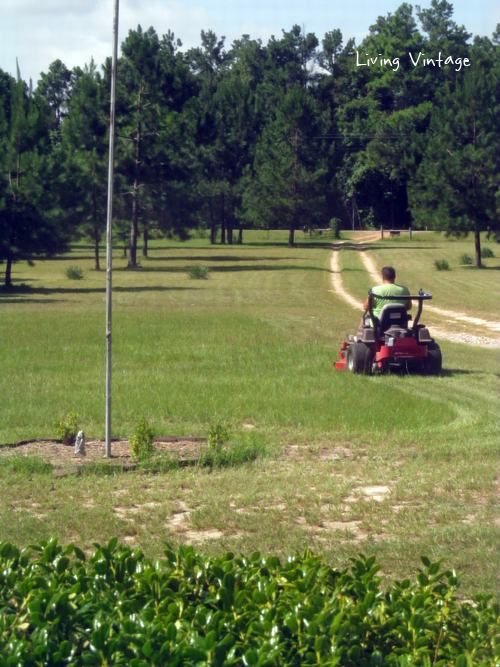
(55, 452)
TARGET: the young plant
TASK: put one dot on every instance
(466, 259)
(74, 273)
(141, 443)
(487, 253)
(198, 272)
(66, 428)
(217, 436)
(442, 265)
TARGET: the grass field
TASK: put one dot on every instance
(254, 345)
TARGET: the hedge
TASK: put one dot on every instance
(118, 608)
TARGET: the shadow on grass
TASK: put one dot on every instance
(28, 300)
(452, 372)
(225, 269)
(68, 257)
(218, 258)
(369, 246)
(83, 290)
(482, 268)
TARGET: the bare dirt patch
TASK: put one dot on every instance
(323, 453)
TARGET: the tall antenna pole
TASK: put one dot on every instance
(109, 228)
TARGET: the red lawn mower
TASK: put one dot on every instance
(389, 343)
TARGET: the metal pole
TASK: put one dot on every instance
(109, 227)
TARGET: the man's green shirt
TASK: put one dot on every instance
(388, 289)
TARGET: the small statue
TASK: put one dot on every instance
(80, 444)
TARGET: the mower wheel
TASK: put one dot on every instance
(359, 358)
(434, 360)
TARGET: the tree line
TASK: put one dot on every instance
(292, 134)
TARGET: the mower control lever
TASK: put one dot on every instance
(422, 296)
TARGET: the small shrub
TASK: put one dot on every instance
(198, 272)
(66, 428)
(442, 265)
(141, 443)
(466, 259)
(74, 273)
(217, 436)
(487, 253)
(335, 227)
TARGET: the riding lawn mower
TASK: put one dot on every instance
(388, 342)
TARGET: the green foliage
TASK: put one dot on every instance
(442, 265)
(335, 227)
(118, 608)
(66, 428)
(466, 259)
(198, 272)
(218, 435)
(487, 253)
(74, 273)
(141, 443)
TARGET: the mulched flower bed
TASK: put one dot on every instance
(61, 456)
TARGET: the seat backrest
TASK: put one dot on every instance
(393, 315)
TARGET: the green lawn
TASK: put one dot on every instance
(254, 344)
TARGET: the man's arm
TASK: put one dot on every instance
(365, 305)
(408, 304)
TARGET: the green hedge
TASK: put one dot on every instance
(117, 608)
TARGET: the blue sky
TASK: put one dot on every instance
(39, 31)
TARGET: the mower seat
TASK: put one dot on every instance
(392, 315)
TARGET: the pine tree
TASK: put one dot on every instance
(457, 184)
(28, 223)
(85, 154)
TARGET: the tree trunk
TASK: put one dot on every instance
(213, 228)
(291, 233)
(145, 245)
(8, 272)
(132, 261)
(230, 221)
(240, 235)
(477, 243)
(222, 224)
(97, 238)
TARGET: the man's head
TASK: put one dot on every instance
(388, 274)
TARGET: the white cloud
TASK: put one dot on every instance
(75, 37)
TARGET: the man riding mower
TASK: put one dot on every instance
(385, 340)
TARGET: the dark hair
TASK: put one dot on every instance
(388, 273)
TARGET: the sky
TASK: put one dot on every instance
(38, 32)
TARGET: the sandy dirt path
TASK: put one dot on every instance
(337, 280)
(454, 337)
